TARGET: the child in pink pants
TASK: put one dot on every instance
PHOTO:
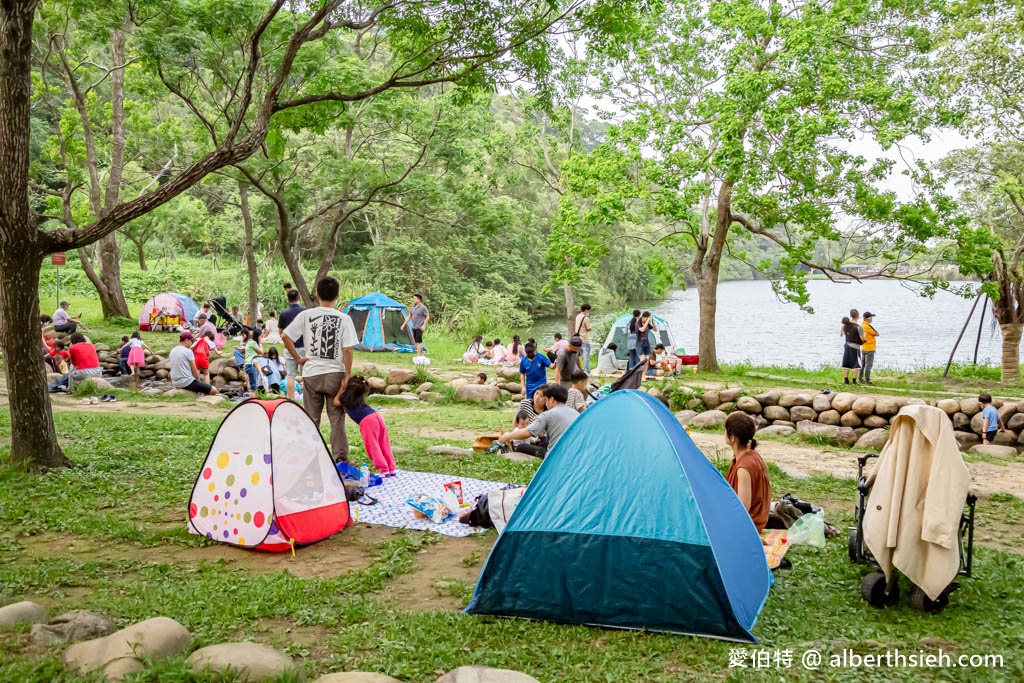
(371, 424)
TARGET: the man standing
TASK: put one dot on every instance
(868, 347)
(62, 322)
(206, 314)
(582, 330)
(328, 336)
(552, 423)
(184, 373)
(418, 316)
(291, 367)
(567, 362)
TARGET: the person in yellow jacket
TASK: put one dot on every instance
(868, 347)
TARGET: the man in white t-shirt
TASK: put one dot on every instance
(328, 336)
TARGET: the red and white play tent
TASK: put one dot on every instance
(268, 481)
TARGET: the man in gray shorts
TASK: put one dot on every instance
(291, 367)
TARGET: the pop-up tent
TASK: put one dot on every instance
(619, 335)
(167, 311)
(268, 481)
(378, 319)
(612, 534)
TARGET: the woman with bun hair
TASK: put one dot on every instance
(371, 424)
(747, 474)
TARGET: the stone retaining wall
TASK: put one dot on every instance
(852, 419)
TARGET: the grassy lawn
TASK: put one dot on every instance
(109, 535)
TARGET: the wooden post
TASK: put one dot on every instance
(981, 324)
(961, 336)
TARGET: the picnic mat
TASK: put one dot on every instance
(392, 510)
(776, 545)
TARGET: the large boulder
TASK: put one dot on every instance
(978, 422)
(725, 407)
(874, 440)
(1016, 423)
(429, 386)
(395, 390)
(961, 421)
(25, 612)
(864, 406)
(965, 440)
(459, 382)
(950, 406)
(1007, 411)
(970, 406)
(729, 395)
(97, 383)
(508, 373)
(784, 423)
(791, 400)
(1006, 438)
(875, 422)
(484, 674)
(377, 385)
(217, 366)
(887, 406)
(839, 435)
(822, 402)
(800, 413)
(360, 676)
(478, 393)
(992, 449)
(72, 627)
(162, 374)
(121, 653)
(230, 373)
(829, 417)
(685, 417)
(777, 430)
(712, 399)
(400, 376)
(843, 401)
(768, 398)
(773, 412)
(709, 418)
(850, 419)
(749, 404)
(246, 661)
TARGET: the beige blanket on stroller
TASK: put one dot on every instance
(912, 517)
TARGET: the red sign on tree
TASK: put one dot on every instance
(58, 259)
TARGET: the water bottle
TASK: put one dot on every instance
(364, 476)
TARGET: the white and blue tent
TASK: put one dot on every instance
(619, 334)
(627, 524)
(378, 319)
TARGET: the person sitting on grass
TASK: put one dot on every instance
(748, 475)
(991, 422)
(84, 359)
(475, 350)
(184, 373)
(657, 363)
(608, 363)
(481, 378)
(552, 423)
(498, 352)
(578, 392)
(352, 398)
(58, 358)
(522, 421)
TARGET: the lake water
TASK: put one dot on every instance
(755, 326)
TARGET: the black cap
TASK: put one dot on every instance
(868, 314)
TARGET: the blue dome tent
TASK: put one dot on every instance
(378, 319)
(619, 333)
(167, 311)
(627, 524)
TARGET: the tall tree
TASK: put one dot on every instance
(186, 44)
(741, 115)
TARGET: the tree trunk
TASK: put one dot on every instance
(140, 247)
(707, 297)
(331, 245)
(33, 438)
(111, 294)
(1011, 351)
(570, 307)
(250, 259)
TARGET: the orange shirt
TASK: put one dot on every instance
(760, 487)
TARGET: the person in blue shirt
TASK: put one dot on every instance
(533, 370)
(991, 423)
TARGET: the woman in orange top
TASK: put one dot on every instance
(748, 475)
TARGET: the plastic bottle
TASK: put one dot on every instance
(364, 476)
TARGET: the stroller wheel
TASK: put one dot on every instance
(873, 590)
(852, 546)
(920, 601)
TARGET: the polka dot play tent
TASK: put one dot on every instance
(268, 481)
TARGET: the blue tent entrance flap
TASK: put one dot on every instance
(378, 319)
(190, 307)
(627, 524)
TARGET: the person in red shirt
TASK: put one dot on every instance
(84, 360)
(203, 348)
(57, 355)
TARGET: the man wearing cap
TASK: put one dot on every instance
(184, 373)
(869, 346)
(62, 322)
(567, 362)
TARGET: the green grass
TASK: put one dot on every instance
(132, 478)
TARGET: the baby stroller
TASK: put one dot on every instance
(920, 440)
(231, 326)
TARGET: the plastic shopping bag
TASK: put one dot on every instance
(808, 530)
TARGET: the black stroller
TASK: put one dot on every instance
(231, 326)
(874, 588)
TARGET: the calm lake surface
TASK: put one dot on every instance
(755, 326)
